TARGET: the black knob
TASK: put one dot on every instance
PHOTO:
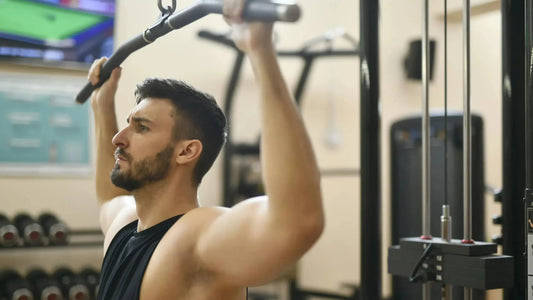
(54, 229)
(44, 286)
(31, 231)
(497, 220)
(498, 195)
(71, 284)
(497, 239)
(14, 287)
(9, 235)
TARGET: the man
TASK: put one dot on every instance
(159, 244)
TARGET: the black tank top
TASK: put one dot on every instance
(126, 259)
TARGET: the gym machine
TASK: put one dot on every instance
(446, 261)
(249, 184)
(255, 10)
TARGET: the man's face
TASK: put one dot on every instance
(145, 146)
(140, 173)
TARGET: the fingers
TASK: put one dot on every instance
(94, 71)
(115, 75)
(232, 10)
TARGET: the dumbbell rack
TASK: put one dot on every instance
(82, 238)
(77, 238)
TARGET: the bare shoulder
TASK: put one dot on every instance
(197, 219)
(203, 217)
(116, 214)
(192, 226)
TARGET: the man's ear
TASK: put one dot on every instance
(188, 151)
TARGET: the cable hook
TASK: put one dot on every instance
(168, 10)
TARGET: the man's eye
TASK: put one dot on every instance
(143, 128)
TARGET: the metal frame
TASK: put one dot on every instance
(309, 57)
(370, 151)
(513, 124)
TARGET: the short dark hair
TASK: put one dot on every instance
(198, 116)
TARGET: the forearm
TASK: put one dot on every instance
(290, 171)
(105, 128)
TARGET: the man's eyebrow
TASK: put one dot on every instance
(139, 120)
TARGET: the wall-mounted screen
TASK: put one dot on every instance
(56, 32)
(42, 131)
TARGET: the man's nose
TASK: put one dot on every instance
(120, 139)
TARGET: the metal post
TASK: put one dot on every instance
(370, 151)
(230, 92)
(513, 124)
(529, 94)
(308, 62)
(467, 136)
(467, 128)
(426, 150)
(426, 189)
(446, 235)
(528, 192)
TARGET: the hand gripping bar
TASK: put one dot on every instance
(255, 10)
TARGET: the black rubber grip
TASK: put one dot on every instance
(114, 61)
(266, 11)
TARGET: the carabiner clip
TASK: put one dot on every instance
(168, 10)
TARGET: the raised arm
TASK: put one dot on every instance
(258, 239)
(105, 123)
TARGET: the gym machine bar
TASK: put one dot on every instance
(303, 53)
(426, 148)
(467, 129)
(426, 218)
(513, 144)
(255, 10)
(467, 137)
(230, 147)
(529, 97)
(446, 219)
(370, 151)
(528, 192)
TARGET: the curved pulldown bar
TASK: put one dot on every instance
(255, 10)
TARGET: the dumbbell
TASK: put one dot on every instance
(54, 229)
(14, 287)
(71, 284)
(91, 277)
(9, 235)
(44, 286)
(31, 231)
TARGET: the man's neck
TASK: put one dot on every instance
(159, 201)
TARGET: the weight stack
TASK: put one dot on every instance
(406, 188)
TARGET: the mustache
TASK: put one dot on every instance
(122, 152)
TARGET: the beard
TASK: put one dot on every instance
(141, 173)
